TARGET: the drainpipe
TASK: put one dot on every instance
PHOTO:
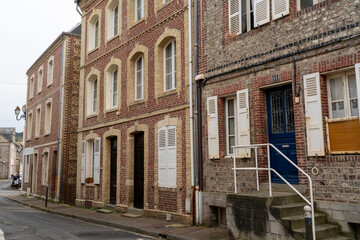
(59, 180)
(77, 7)
(197, 157)
(191, 107)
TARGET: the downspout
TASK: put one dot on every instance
(77, 7)
(191, 108)
(59, 179)
(297, 92)
(197, 160)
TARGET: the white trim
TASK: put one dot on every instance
(142, 78)
(227, 124)
(173, 65)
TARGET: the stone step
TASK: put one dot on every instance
(298, 221)
(322, 231)
(287, 210)
(338, 237)
(136, 211)
(103, 210)
(130, 215)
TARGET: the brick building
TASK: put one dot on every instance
(285, 72)
(52, 118)
(133, 142)
(9, 156)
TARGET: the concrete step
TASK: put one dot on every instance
(287, 210)
(298, 221)
(130, 215)
(322, 231)
(338, 237)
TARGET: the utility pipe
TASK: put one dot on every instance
(77, 7)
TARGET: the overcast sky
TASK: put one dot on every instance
(27, 28)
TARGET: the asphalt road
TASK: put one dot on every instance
(21, 222)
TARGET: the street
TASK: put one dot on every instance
(21, 222)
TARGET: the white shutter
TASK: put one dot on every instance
(83, 149)
(162, 158)
(234, 17)
(213, 132)
(280, 8)
(97, 160)
(357, 70)
(313, 115)
(261, 12)
(243, 119)
(171, 156)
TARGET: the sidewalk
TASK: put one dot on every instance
(147, 226)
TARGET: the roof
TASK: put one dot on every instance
(8, 134)
(75, 31)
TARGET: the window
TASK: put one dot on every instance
(29, 120)
(48, 111)
(139, 10)
(112, 18)
(31, 87)
(94, 96)
(241, 16)
(308, 3)
(139, 78)
(38, 122)
(343, 97)
(27, 167)
(170, 66)
(230, 112)
(50, 71)
(45, 168)
(90, 163)
(166, 1)
(94, 30)
(167, 156)
(115, 89)
(40, 80)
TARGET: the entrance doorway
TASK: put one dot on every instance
(139, 170)
(34, 174)
(113, 170)
(281, 130)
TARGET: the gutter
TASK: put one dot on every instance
(77, 7)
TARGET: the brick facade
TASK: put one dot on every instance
(64, 52)
(162, 23)
(322, 38)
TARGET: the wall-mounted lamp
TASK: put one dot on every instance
(17, 113)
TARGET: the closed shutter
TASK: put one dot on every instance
(313, 115)
(234, 17)
(243, 118)
(83, 149)
(261, 12)
(162, 158)
(280, 8)
(213, 132)
(171, 156)
(357, 70)
(27, 163)
(97, 160)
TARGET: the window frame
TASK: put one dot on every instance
(31, 86)
(29, 124)
(40, 79)
(37, 121)
(94, 95)
(142, 78)
(48, 117)
(314, 2)
(345, 80)
(173, 65)
(249, 16)
(115, 17)
(227, 142)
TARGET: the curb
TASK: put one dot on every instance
(104, 223)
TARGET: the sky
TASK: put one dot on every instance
(27, 28)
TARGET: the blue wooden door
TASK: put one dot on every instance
(281, 129)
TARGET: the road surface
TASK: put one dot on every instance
(21, 222)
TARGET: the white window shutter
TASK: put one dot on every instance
(261, 12)
(234, 17)
(171, 156)
(162, 157)
(280, 8)
(97, 160)
(243, 118)
(213, 132)
(313, 115)
(83, 149)
(357, 71)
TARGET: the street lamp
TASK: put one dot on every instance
(17, 113)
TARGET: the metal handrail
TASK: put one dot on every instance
(269, 169)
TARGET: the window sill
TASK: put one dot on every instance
(134, 24)
(44, 184)
(36, 137)
(28, 139)
(329, 120)
(110, 110)
(162, 5)
(93, 50)
(112, 38)
(92, 115)
(46, 134)
(168, 189)
(89, 184)
(48, 85)
(38, 92)
(167, 93)
(136, 102)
